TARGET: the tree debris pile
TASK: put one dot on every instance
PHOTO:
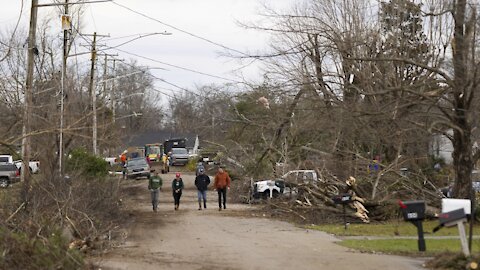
(313, 203)
(61, 217)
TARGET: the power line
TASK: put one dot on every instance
(13, 33)
(181, 30)
(138, 37)
(161, 62)
(175, 66)
(129, 36)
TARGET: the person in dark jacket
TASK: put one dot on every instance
(201, 182)
(177, 187)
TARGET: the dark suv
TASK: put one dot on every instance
(9, 173)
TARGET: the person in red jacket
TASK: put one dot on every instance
(221, 184)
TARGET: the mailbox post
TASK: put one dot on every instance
(454, 212)
(343, 199)
(414, 211)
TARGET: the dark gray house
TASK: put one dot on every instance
(159, 136)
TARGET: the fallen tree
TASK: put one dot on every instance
(313, 202)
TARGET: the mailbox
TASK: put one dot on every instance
(456, 217)
(451, 218)
(342, 198)
(413, 210)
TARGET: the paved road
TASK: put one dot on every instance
(212, 239)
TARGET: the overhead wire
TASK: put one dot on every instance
(162, 80)
(175, 66)
(161, 62)
(179, 29)
(254, 57)
(13, 33)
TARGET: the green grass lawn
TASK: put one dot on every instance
(400, 228)
(398, 246)
(408, 246)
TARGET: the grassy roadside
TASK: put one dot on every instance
(407, 246)
(388, 229)
(398, 246)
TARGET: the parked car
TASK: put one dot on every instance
(299, 176)
(6, 159)
(179, 156)
(137, 167)
(9, 174)
(34, 166)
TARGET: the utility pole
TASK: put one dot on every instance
(112, 93)
(62, 90)
(93, 94)
(105, 70)
(113, 104)
(28, 95)
(105, 73)
(25, 175)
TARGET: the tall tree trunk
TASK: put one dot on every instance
(462, 142)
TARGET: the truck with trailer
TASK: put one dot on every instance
(177, 151)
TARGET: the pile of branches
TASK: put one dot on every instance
(56, 218)
(314, 202)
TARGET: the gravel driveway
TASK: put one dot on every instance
(230, 239)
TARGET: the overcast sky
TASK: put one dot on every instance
(214, 20)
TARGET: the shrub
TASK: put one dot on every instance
(86, 164)
(21, 251)
(192, 164)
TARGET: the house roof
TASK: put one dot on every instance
(159, 136)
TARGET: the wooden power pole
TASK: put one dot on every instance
(62, 91)
(27, 113)
(93, 94)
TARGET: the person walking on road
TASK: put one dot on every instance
(221, 184)
(201, 182)
(123, 159)
(177, 187)
(199, 167)
(154, 185)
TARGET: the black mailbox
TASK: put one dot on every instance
(413, 210)
(451, 218)
(342, 198)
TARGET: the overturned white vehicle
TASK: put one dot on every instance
(268, 188)
(273, 188)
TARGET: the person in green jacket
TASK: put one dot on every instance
(177, 187)
(154, 185)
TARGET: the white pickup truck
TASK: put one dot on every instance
(33, 165)
(273, 188)
(8, 159)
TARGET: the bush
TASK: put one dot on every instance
(192, 164)
(86, 164)
(21, 251)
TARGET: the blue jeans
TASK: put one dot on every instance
(202, 194)
(154, 194)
